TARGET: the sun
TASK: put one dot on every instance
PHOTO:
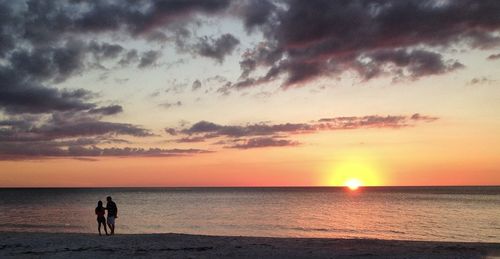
(353, 174)
(353, 184)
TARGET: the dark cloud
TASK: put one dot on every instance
(264, 54)
(211, 130)
(256, 13)
(69, 126)
(50, 63)
(404, 63)
(196, 85)
(216, 48)
(63, 126)
(190, 139)
(171, 131)
(130, 57)
(27, 76)
(70, 134)
(8, 28)
(225, 89)
(49, 150)
(494, 56)
(105, 50)
(266, 134)
(45, 42)
(22, 95)
(91, 128)
(263, 142)
(373, 38)
(46, 21)
(418, 116)
(149, 58)
(303, 41)
(108, 110)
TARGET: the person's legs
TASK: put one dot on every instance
(112, 228)
(111, 225)
(99, 227)
(105, 228)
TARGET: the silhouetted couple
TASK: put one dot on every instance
(112, 215)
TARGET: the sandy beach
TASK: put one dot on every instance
(66, 245)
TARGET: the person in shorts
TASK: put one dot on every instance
(100, 211)
(112, 214)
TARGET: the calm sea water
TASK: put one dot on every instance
(411, 213)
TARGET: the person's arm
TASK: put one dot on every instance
(116, 211)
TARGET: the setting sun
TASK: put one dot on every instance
(353, 184)
(353, 173)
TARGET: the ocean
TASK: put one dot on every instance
(470, 214)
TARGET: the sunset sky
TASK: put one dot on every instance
(249, 93)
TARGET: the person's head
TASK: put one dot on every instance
(108, 198)
(99, 204)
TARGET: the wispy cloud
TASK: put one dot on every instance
(266, 134)
(75, 134)
(262, 142)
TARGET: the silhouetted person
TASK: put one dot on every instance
(100, 211)
(112, 214)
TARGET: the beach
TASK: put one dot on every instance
(81, 245)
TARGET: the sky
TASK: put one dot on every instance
(249, 93)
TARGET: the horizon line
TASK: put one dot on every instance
(279, 186)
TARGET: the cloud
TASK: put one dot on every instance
(168, 105)
(494, 56)
(149, 58)
(50, 21)
(18, 95)
(403, 39)
(90, 128)
(403, 63)
(480, 80)
(267, 134)
(108, 110)
(50, 63)
(28, 76)
(130, 57)
(48, 150)
(105, 50)
(372, 121)
(43, 43)
(189, 139)
(64, 125)
(69, 134)
(216, 48)
(196, 85)
(306, 41)
(263, 142)
(256, 13)
(215, 130)
(176, 87)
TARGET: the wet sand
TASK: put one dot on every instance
(68, 245)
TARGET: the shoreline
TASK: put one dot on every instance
(172, 245)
